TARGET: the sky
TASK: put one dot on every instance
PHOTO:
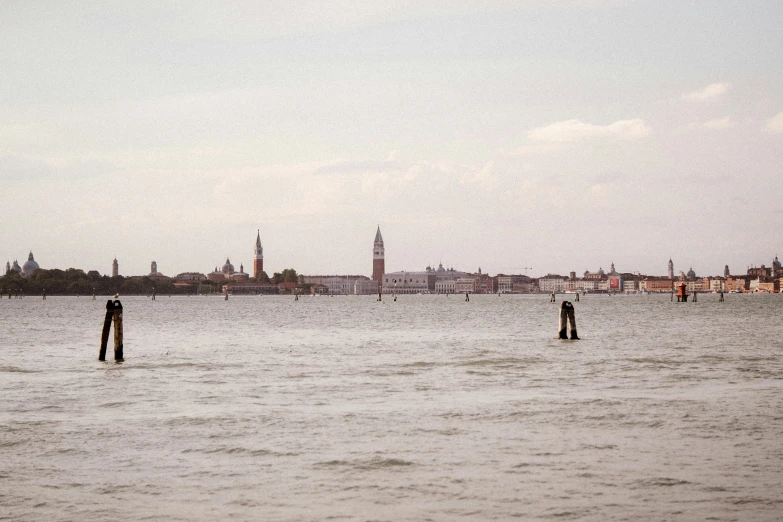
(555, 135)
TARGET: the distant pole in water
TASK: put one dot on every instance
(552, 297)
(567, 316)
(44, 294)
(721, 298)
(577, 297)
(467, 297)
(695, 295)
(153, 293)
(379, 295)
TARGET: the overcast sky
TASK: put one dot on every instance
(558, 135)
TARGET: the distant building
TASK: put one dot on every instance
(115, 268)
(258, 259)
(378, 258)
(671, 269)
(340, 284)
(155, 275)
(726, 271)
(408, 283)
(187, 277)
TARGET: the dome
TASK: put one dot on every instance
(601, 271)
(776, 262)
(30, 266)
(228, 268)
(691, 273)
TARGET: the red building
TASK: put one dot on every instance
(378, 261)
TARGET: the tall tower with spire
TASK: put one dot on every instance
(378, 261)
(115, 268)
(258, 259)
(671, 269)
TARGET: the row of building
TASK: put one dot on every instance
(443, 280)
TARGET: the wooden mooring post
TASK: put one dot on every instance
(113, 315)
(721, 298)
(467, 297)
(567, 316)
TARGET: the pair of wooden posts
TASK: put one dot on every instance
(113, 314)
(567, 316)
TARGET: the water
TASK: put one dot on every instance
(428, 408)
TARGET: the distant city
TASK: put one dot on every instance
(441, 280)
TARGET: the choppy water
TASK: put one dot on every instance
(428, 408)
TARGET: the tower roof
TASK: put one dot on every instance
(378, 236)
(258, 239)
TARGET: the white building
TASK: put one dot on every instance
(408, 282)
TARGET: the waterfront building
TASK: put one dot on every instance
(115, 268)
(216, 275)
(378, 259)
(465, 285)
(595, 275)
(505, 283)
(446, 286)
(736, 284)
(656, 284)
(340, 284)
(408, 282)
(258, 257)
(552, 283)
(365, 287)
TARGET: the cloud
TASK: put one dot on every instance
(575, 130)
(709, 93)
(716, 124)
(775, 123)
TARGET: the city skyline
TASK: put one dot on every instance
(557, 135)
(378, 267)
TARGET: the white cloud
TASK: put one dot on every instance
(775, 123)
(709, 93)
(575, 130)
(716, 124)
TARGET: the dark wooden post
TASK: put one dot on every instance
(567, 315)
(695, 295)
(562, 323)
(44, 294)
(106, 328)
(721, 298)
(117, 330)
(467, 297)
(577, 297)
(379, 295)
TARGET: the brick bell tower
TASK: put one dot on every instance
(378, 262)
(258, 259)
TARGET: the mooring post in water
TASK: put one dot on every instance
(106, 328)
(467, 297)
(695, 295)
(44, 294)
(379, 295)
(567, 316)
(117, 330)
(721, 298)
(153, 293)
(577, 297)
(552, 297)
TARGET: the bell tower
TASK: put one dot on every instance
(258, 259)
(671, 269)
(378, 261)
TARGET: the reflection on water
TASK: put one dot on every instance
(427, 407)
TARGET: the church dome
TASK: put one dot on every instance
(228, 268)
(776, 263)
(691, 273)
(601, 271)
(30, 266)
